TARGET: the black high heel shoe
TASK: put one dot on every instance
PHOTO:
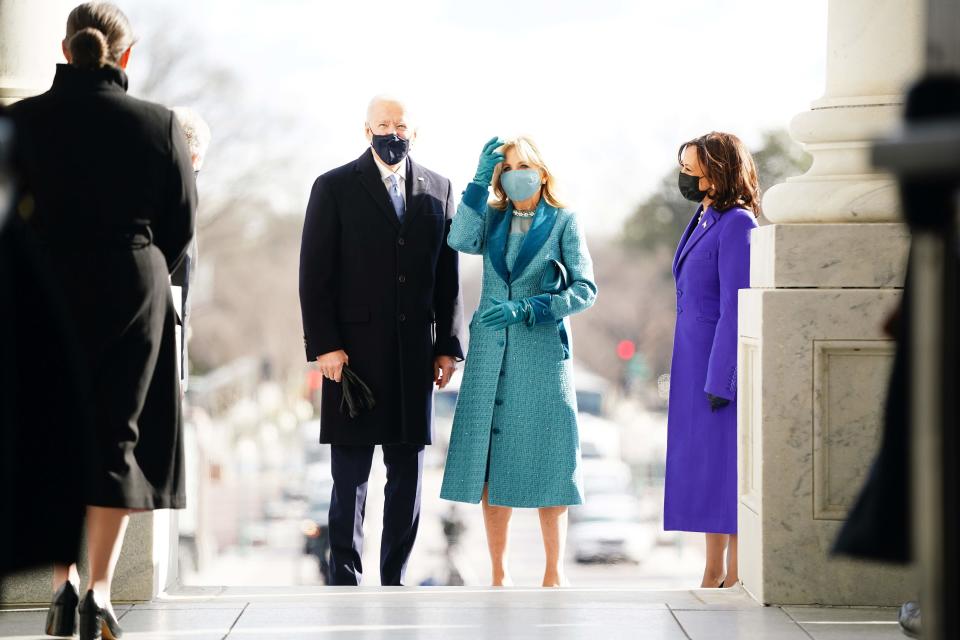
(62, 614)
(97, 622)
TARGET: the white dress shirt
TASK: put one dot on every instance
(386, 172)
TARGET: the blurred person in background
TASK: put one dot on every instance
(712, 264)
(197, 132)
(515, 441)
(380, 293)
(109, 192)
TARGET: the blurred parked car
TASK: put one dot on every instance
(599, 437)
(593, 391)
(610, 528)
(603, 476)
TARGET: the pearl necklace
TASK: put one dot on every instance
(523, 214)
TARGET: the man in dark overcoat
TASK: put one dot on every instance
(380, 293)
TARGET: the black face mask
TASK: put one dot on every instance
(391, 148)
(690, 187)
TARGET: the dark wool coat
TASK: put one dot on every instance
(386, 293)
(43, 411)
(109, 190)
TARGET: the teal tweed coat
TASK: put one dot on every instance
(517, 404)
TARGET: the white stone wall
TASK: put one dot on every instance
(814, 362)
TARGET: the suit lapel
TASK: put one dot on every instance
(497, 244)
(372, 181)
(710, 219)
(684, 238)
(543, 222)
(416, 185)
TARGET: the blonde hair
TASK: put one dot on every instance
(528, 152)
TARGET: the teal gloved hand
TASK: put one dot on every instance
(489, 159)
(503, 314)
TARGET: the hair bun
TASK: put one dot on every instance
(88, 49)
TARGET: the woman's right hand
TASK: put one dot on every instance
(489, 159)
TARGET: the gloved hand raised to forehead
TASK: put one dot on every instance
(489, 159)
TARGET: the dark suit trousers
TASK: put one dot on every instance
(350, 466)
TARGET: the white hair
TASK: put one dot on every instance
(388, 98)
(197, 132)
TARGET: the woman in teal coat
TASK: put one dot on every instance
(515, 441)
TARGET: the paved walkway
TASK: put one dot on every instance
(452, 613)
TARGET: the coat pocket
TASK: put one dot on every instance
(701, 257)
(560, 339)
(709, 309)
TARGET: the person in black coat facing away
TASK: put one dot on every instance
(380, 292)
(111, 194)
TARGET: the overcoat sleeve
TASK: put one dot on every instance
(319, 257)
(468, 230)
(447, 297)
(734, 269)
(173, 230)
(581, 292)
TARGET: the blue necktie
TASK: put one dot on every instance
(396, 197)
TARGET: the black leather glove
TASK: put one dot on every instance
(356, 394)
(716, 402)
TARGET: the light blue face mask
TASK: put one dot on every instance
(520, 184)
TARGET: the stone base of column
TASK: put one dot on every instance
(147, 566)
(814, 368)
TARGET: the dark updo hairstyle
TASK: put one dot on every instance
(729, 167)
(97, 35)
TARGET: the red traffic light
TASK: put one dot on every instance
(626, 349)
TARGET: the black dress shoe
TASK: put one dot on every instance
(62, 614)
(97, 622)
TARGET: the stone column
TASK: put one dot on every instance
(814, 362)
(30, 36)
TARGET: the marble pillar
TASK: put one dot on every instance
(814, 361)
(30, 35)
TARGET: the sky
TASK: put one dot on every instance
(608, 88)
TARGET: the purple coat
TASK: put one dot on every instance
(711, 265)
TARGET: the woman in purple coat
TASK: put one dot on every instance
(711, 265)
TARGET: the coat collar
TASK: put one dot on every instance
(71, 77)
(497, 246)
(540, 229)
(694, 234)
(372, 181)
(417, 180)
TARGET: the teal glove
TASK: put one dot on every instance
(503, 314)
(489, 159)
